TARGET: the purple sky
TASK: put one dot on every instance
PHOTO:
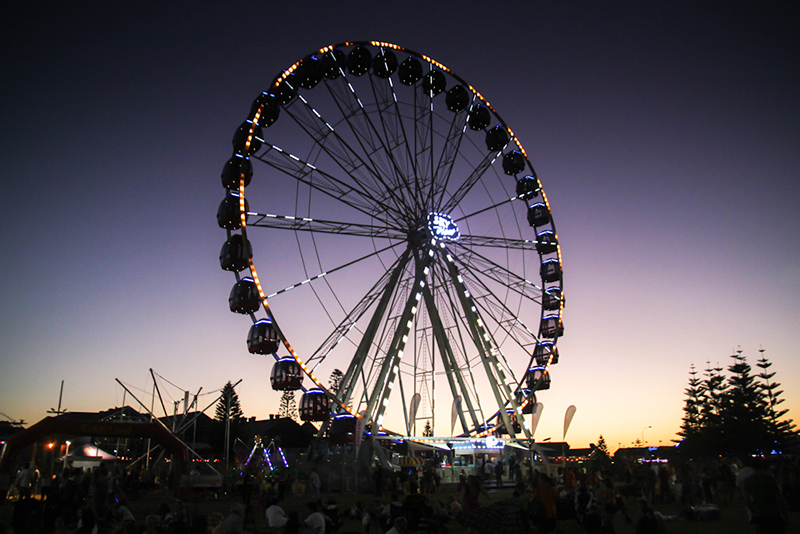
(666, 135)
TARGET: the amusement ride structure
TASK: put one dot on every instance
(383, 220)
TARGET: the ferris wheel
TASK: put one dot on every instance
(386, 227)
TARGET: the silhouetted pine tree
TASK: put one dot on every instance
(428, 430)
(599, 455)
(235, 412)
(228, 407)
(692, 428)
(745, 422)
(737, 415)
(714, 386)
(782, 430)
(335, 384)
(288, 406)
(601, 445)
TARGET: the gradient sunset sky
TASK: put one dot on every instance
(666, 135)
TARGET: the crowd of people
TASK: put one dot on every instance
(76, 501)
(602, 499)
(599, 499)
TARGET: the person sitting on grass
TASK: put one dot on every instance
(276, 517)
(399, 526)
(315, 522)
(650, 521)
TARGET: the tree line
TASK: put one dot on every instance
(737, 414)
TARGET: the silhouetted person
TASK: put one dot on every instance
(765, 506)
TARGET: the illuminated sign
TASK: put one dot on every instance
(494, 443)
(442, 226)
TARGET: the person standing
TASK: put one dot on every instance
(498, 473)
(377, 477)
(765, 507)
(25, 481)
(316, 483)
(471, 496)
(545, 493)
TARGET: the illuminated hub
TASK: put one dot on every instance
(442, 226)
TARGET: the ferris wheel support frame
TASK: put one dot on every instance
(390, 367)
(356, 366)
(486, 350)
(450, 363)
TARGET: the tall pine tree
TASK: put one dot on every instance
(745, 427)
(691, 428)
(228, 405)
(783, 430)
(600, 456)
(288, 406)
(711, 409)
(335, 380)
(737, 415)
(428, 430)
(335, 384)
(229, 414)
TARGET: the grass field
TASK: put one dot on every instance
(733, 519)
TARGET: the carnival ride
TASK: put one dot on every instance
(402, 234)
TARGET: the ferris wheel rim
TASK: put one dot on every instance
(244, 212)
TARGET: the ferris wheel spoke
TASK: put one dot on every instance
(487, 208)
(366, 135)
(385, 285)
(476, 263)
(317, 179)
(506, 243)
(387, 129)
(424, 146)
(396, 142)
(319, 226)
(475, 176)
(333, 270)
(358, 165)
(447, 160)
